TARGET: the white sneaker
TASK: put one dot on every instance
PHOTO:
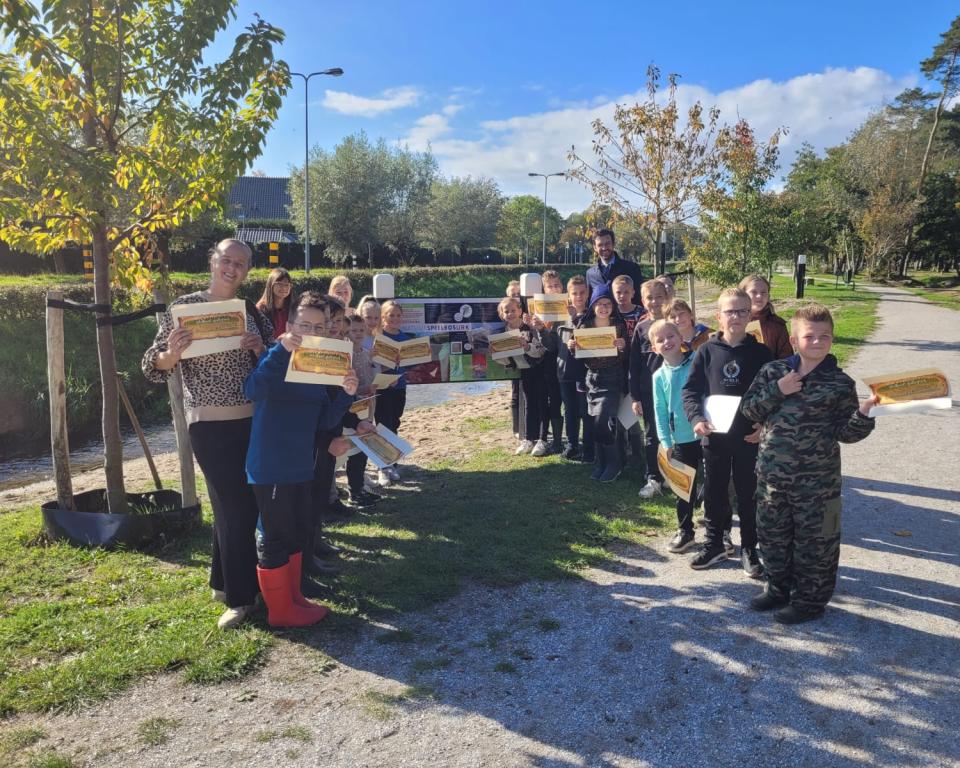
(234, 617)
(394, 472)
(525, 447)
(540, 449)
(651, 489)
(219, 595)
(728, 544)
(383, 479)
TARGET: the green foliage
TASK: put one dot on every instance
(743, 226)
(462, 213)
(521, 226)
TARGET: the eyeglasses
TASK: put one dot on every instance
(732, 313)
(310, 329)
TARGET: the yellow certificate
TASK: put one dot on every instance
(385, 352)
(506, 344)
(910, 392)
(320, 361)
(549, 307)
(677, 474)
(415, 351)
(754, 329)
(363, 408)
(383, 447)
(384, 380)
(596, 342)
(217, 326)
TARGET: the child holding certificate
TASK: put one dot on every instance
(722, 371)
(807, 406)
(393, 399)
(572, 375)
(674, 431)
(532, 382)
(606, 383)
(366, 372)
(280, 463)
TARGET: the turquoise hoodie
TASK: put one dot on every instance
(672, 424)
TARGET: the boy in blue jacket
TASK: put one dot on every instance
(674, 431)
(280, 461)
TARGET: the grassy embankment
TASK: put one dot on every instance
(77, 625)
(943, 289)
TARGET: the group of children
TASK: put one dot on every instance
(299, 433)
(780, 451)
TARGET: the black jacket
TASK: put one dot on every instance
(719, 369)
(643, 362)
(599, 274)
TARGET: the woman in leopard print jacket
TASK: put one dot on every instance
(219, 418)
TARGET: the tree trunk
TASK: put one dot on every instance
(110, 418)
(908, 241)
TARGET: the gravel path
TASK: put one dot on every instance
(645, 663)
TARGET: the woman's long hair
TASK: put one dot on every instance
(276, 274)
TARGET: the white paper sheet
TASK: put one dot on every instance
(721, 411)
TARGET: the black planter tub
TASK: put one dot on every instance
(160, 514)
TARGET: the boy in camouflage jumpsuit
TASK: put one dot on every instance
(807, 405)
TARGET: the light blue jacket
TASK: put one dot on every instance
(672, 424)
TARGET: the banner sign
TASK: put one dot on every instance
(459, 332)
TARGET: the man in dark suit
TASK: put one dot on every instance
(609, 265)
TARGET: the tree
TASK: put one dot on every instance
(363, 194)
(742, 224)
(649, 167)
(411, 177)
(112, 128)
(462, 212)
(521, 225)
(942, 66)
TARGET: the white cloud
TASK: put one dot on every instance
(361, 106)
(426, 130)
(822, 109)
(451, 109)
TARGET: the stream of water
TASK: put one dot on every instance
(21, 470)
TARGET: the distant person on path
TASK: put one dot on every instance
(219, 415)
(727, 365)
(807, 406)
(275, 302)
(609, 264)
(773, 328)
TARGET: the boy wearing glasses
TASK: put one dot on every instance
(280, 461)
(727, 365)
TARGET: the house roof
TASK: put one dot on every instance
(259, 197)
(257, 235)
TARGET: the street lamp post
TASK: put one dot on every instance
(334, 72)
(546, 178)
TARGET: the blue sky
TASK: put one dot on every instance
(503, 88)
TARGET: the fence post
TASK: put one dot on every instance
(188, 478)
(57, 388)
(692, 293)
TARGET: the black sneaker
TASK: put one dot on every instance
(750, 562)
(794, 614)
(571, 453)
(363, 498)
(324, 549)
(709, 554)
(769, 599)
(337, 510)
(682, 541)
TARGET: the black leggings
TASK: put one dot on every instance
(533, 392)
(724, 456)
(390, 405)
(285, 512)
(604, 390)
(221, 451)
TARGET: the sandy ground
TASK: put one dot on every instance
(643, 663)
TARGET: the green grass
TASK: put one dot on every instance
(77, 625)
(943, 289)
(854, 311)
(156, 730)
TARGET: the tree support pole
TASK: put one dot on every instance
(57, 388)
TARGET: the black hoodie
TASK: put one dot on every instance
(719, 369)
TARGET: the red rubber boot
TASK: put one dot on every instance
(296, 568)
(275, 588)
